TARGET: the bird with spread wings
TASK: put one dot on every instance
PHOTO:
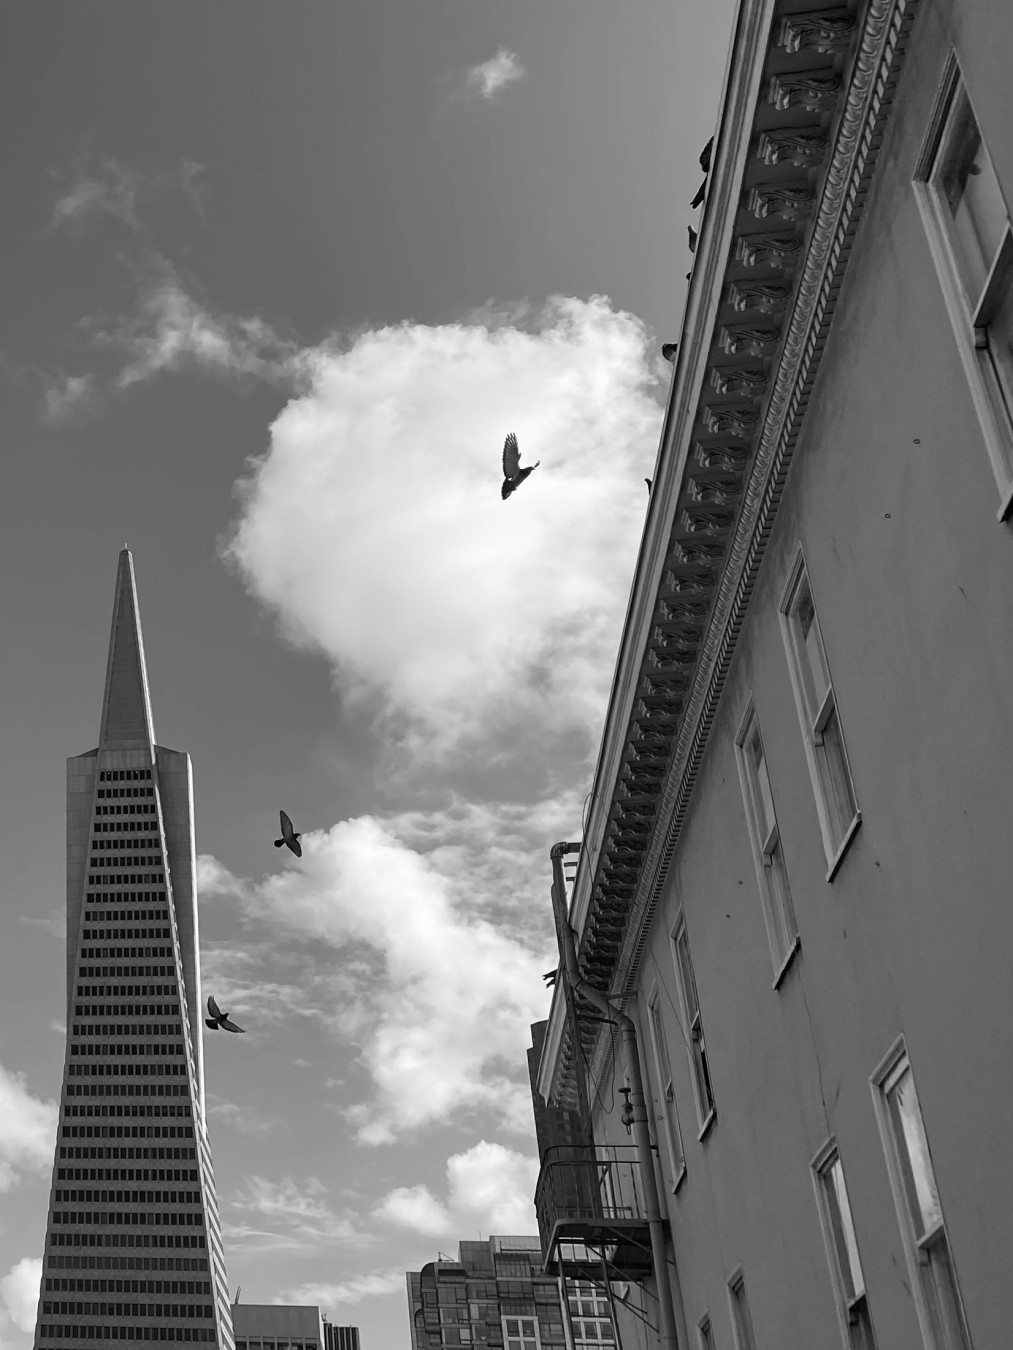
(513, 474)
(216, 1019)
(289, 837)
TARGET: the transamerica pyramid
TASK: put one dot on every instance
(133, 1243)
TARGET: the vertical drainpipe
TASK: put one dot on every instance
(668, 1289)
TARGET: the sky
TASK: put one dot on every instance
(278, 280)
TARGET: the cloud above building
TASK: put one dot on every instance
(373, 525)
(489, 1189)
(440, 1015)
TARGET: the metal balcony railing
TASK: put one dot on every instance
(592, 1198)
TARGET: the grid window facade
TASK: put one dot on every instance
(664, 1092)
(842, 1249)
(765, 835)
(969, 230)
(836, 804)
(703, 1089)
(589, 1316)
(742, 1322)
(933, 1278)
(520, 1333)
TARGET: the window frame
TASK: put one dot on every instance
(852, 1309)
(705, 1331)
(918, 1247)
(968, 318)
(815, 712)
(663, 1092)
(771, 876)
(743, 1332)
(696, 1043)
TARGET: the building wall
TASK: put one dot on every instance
(271, 1326)
(893, 500)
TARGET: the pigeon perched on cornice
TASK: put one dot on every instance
(288, 835)
(219, 1020)
(513, 474)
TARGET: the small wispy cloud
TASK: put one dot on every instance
(288, 1216)
(489, 77)
(99, 185)
(370, 1284)
(54, 923)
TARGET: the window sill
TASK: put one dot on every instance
(844, 845)
(787, 963)
(705, 1128)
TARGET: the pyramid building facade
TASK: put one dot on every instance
(133, 1240)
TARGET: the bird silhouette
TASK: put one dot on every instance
(692, 238)
(513, 474)
(219, 1020)
(669, 349)
(288, 835)
(705, 156)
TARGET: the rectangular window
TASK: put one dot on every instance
(761, 818)
(667, 1114)
(686, 981)
(836, 805)
(968, 225)
(916, 1196)
(842, 1249)
(742, 1323)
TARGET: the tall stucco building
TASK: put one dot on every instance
(133, 1240)
(791, 921)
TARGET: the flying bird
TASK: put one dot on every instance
(513, 474)
(669, 349)
(692, 238)
(288, 835)
(218, 1019)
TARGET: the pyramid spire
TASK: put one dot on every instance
(126, 707)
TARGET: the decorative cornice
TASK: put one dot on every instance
(727, 460)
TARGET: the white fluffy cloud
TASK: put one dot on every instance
(489, 1187)
(489, 77)
(458, 942)
(19, 1290)
(373, 525)
(27, 1130)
